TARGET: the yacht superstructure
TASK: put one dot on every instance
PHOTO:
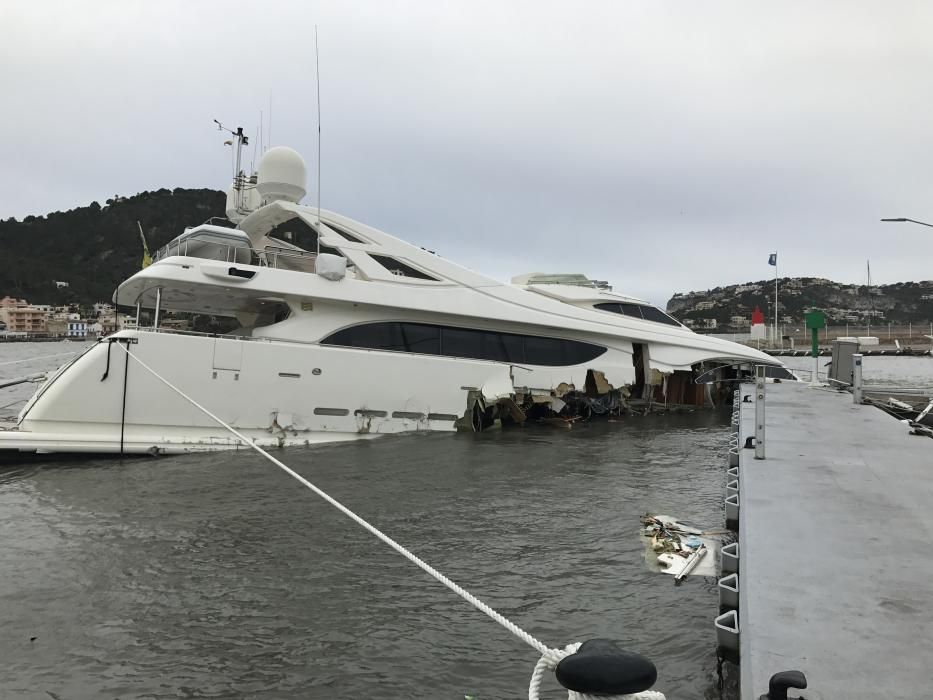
(344, 330)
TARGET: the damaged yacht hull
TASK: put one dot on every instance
(340, 331)
(280, 393)
(275, 393)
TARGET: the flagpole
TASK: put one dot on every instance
(774, 337)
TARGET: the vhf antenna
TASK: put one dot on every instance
(241, 140)
(317, 71)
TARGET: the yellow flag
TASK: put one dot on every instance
(147, 259)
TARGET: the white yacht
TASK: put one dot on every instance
(345, 331)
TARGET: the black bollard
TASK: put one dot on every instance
(600, 667)
(780, 682)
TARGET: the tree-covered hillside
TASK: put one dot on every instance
(94, 248)
(901, 302)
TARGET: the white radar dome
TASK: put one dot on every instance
(282, 175)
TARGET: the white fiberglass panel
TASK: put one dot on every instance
(316, 388)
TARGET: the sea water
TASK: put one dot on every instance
(216, 575)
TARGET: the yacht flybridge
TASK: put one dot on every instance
(343, 330)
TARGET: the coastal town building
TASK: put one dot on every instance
(108, 325)
(56, 327)
(77, 329)
(20, 317)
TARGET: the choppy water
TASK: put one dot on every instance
(216, 576)
(881, 371)
(219, 576)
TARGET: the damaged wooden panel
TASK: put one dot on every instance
(596, 383)
(680, 388)
(513, 409)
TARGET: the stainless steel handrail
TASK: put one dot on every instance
(205, 334)
(233, 253)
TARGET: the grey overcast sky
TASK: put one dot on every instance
(664, 146)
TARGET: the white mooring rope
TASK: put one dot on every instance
(549, 657)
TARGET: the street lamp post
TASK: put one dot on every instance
(901, 220)
(913, 221)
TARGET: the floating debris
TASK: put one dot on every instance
(677, 548)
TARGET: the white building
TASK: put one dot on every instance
(77, 329)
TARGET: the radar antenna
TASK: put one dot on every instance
(239, 140)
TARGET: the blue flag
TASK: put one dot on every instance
(772, 259)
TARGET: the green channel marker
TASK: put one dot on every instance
(815, 320)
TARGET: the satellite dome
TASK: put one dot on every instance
(282, 175)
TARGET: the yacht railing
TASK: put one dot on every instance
(209, 248)
(226, 336)
(590, 284)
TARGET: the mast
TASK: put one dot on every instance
(239, 179)
(317, 82)
(774, 335)
(871, 301)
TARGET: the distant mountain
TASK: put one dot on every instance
(94, 248)
(900, 303)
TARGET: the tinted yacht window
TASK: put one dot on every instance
(469, 343)
(397, 267)
(652, 313)
(419, 337)
(296, 232)
(463, 342)
(511, 348)
(482, 345)
(648, 313)
(340, 232)
(373, 336)
(545, 351)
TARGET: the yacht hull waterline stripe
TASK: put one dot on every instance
(549, 657)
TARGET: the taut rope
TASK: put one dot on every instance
(549, 657)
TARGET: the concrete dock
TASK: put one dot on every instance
(835, 548)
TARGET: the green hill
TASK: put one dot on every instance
(94, 248)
